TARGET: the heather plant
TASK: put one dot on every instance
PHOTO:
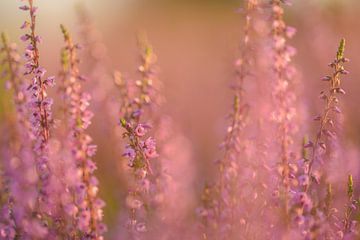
(33, 213)
(221, 212)
(11, 67)
(39, 212)
(41, 117)
(140, 149)
(87, 206)
(284, 114)
(316, 195)
(155, 183)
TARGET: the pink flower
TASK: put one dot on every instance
(133, 202)
(34, 10)
(140, 130)
(151, 153)
(91, 150)
(150, 143)
(290, 31)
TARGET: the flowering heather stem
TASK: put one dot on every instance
(20, 164)
(322, 212)
(328, 117)
(220, 204)
(79, 118)
(40, 105)
(139, 149)
(283, 95)
(33, 67)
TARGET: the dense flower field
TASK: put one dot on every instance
(91, 152)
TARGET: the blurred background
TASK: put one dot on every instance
(196, 42)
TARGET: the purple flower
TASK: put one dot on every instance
(25, 37)
(29, 54)
(101, 228)
(304, 180)
(150, 143)
(129, 152)
(38, 39)
(71, 210)
(50, 81)
(25, 25)
(39, 72)
(24, 8)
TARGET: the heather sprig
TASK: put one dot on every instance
(10, 65)
(327, 120)
(40, 104)
(40, 101)
(220, 212)
(19, 165)
(133, 109)
(319, 210)
(284, 98)
(89, 206)
(140, 149)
